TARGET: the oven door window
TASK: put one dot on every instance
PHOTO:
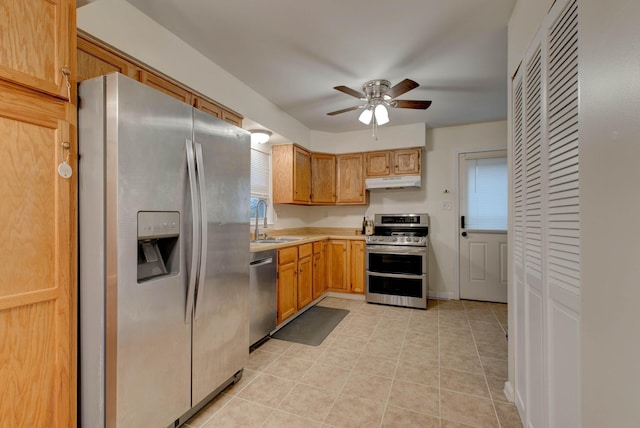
(395, 286)
(395, 263)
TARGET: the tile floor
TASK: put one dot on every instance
(382, 366)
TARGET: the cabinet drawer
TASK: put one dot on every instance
(317, 247)
(305, 250)
(287, 255)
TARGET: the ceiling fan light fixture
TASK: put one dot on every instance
(366, 115)
(382, 115)
(260, 136)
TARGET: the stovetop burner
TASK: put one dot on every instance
(400, 229)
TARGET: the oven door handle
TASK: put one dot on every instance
(395, 275)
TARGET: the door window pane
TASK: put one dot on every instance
(487, 194)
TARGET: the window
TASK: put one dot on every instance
(486, 201)
(260, 180)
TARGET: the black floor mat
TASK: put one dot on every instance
(313, 326)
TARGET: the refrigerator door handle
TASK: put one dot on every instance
(193, 272)
(203, 228)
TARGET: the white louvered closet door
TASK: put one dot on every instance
(562, 231)
(546, 224)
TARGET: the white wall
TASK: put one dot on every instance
(442, 146)
(123, 26)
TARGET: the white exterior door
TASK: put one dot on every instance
(483, 225)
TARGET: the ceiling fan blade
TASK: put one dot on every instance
(344, 110)
(350, 91)
(423, 105)
(405, 86)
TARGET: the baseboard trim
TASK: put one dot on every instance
(441, 295)
(508, 391)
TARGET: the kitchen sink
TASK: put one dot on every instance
(274, 240)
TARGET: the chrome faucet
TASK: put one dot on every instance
(257, 236)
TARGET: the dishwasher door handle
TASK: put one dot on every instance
(262, 262)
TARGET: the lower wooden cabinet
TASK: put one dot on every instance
(305, 275)
(345, 263)
(287, 283)
(356, 266)
(319, 268)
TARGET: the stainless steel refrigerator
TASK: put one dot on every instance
(164, 255)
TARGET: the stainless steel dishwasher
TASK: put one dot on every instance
(262, 295)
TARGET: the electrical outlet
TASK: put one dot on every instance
(446, 205)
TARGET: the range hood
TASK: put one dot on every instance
(394, 182)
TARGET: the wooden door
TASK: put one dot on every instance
(35, 44)
(338, 265)
(356, 266)
(377, 164)
(319, 269)
(305, 281)
(301, 175)
(208, 107)
(232, 118)
(287, 290)
(407, 161)
(350, 179)
(37, 272)
(323, 178)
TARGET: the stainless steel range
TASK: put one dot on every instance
(397, 260)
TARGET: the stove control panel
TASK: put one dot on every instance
(418, 241)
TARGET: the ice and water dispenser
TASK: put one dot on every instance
(158, 249)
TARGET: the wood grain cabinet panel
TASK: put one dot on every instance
(163, 85)
(377, 164)
(35, 44)
(287, 283)
(338, 265)
(407, 161)
(291, 174)
(38, 247)
(305, 281)
(93, 61)
(350, 188)
(357, 266)
(323, 178)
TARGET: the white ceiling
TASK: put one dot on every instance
(294, 52)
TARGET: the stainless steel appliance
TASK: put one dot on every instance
(262, 295)
(164, 255)
(397, 260)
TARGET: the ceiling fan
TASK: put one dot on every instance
(378, 95)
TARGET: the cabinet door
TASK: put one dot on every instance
(377, 164)
(37, 271)
(301, 175)
(232, 118)
(323, 178)
(95, 61)
(407, 161)
(338, 265)
(163, 85)
(287, 290)
(350, 179)
(319, 277)
(35, 43)
(356, 266)
(208, 107)
(305, 281)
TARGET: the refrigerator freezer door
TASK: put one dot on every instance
(221, 329)
(147, 339)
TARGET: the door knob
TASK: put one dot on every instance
(464, 234)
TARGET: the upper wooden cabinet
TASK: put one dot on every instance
(393, 162)
(350, 187)
(291, 173)
(407, 161)
(35, 44)
(164, 85)
(96, 59)
(377, 164)
(323, 178)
